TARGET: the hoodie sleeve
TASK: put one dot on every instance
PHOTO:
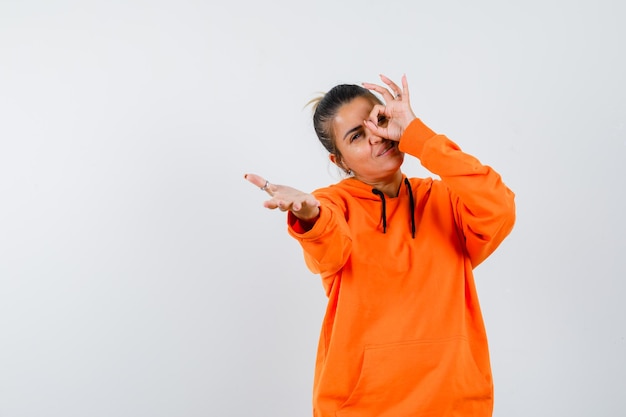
(327, 244)
(483, 205)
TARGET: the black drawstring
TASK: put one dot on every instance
(411, 205)
(384, 206)
(384, 213)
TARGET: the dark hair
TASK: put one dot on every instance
(325, 109)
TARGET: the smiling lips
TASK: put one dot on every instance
(387, 148)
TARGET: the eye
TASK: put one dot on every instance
(382, 120)
(355, 136)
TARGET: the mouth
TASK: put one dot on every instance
(387, 148)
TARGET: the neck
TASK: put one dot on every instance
(389, 186)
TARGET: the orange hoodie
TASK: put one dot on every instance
(403, 333)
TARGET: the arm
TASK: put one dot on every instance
(318, 224)
(483, 205)
(327, 244)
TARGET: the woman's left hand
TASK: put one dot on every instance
(389, 120)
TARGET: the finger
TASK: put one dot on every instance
(376, 112)
(405, 88)
(282, 206)
(379, 89)
(255, 179)
(375, 129)
(394, 87)
(270, 204)
(262, 183)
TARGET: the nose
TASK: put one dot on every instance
(373, 139)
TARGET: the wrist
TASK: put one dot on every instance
(301, 223)
(309, 217)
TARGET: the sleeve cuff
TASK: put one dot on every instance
(296, 227)
(415, 137)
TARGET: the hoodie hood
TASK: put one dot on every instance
(360, 190)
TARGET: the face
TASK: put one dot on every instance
(371, 158)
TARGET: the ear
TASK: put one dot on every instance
(339, 162)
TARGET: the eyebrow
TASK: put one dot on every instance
(354, 129)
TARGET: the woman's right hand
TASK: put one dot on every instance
(303, 205)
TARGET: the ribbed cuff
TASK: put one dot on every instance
(414, 138)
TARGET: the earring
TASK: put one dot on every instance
(349, 171)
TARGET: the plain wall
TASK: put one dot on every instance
(140, 274)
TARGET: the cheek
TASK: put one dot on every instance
(354, 157)
(359, 151)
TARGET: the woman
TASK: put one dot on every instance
(403, 333)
